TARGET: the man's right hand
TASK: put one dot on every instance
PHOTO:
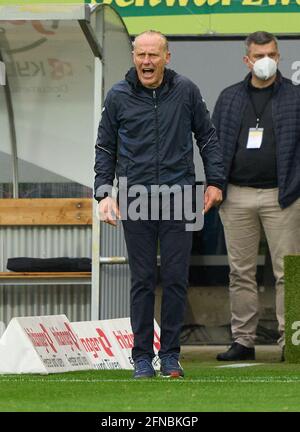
(108, 211)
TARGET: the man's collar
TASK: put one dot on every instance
(132, 77)
(276, 83)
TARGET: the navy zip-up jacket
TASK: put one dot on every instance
(148, 137)
(227, 118)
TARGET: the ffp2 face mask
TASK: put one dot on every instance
(264, 68)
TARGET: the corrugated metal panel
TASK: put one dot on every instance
(32, 300)
(114, 279)
(44, 242)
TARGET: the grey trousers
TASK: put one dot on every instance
(244, 213)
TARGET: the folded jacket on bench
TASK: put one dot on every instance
(63, 264)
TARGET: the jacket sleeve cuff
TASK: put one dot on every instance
(103, 192)
(216, 184)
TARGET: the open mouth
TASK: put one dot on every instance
(147, 72)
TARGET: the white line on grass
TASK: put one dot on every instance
(238, 365)
(180, 381)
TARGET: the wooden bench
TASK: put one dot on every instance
(45, 278)
(46, 212)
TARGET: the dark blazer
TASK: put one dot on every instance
(227, 118)
(146, 135)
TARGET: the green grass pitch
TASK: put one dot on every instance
(265, 387)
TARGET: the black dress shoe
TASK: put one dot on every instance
(237, 352)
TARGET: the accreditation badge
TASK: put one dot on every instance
(255, 138)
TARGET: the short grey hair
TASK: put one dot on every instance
(259, 38)
(153, 32)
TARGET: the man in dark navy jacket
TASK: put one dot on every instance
(258, 125)
(145, 136)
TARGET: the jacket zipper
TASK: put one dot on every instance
(157, 135)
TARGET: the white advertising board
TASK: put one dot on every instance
(45, 344)
(108, 343)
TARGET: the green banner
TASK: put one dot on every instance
(198, 17)
(150, 8)
(25, 3)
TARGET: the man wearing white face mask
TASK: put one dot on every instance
(258, 125)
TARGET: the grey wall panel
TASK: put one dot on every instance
(44, 242)
(36, 300)
(214, 65)
(114, 279)
(115, 282)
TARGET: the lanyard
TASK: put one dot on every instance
(258, 115)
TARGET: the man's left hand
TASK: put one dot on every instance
(213, 197)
